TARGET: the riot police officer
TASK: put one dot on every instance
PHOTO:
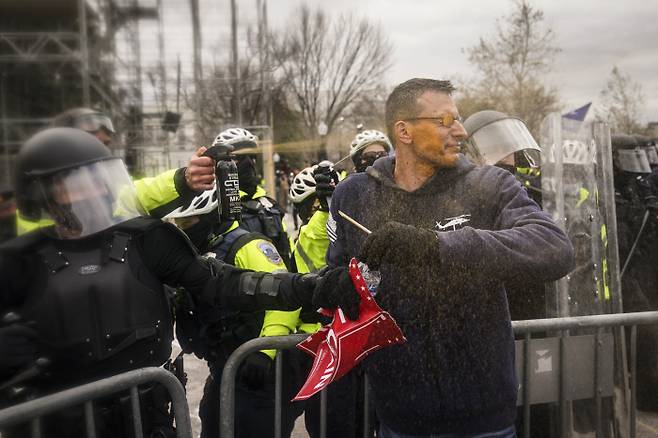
(215, 338)
(637, 231)
(87, 292)
(260, 213)
(158, 195)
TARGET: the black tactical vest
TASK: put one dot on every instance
(96, 305)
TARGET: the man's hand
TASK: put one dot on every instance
(335, 289)
(256, 370)
(397, 244)
(200, 172)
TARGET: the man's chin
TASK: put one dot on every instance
(450, 159)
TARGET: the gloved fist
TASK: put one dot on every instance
(18, 347)
(335, 289)
(256, 370)
(398, 244)
(324, 188)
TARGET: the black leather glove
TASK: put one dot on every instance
(335, 289)
(256, 370)
(18, 347)
(399, 244)
(324, 188)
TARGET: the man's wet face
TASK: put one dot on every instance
(434, 143)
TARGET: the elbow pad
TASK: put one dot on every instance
(261, 291)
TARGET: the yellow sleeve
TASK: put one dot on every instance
(157, 191)
(314, 243)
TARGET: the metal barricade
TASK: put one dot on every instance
(595, 352)
(31, 411)
(541, 382)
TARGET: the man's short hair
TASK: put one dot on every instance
(402, 103)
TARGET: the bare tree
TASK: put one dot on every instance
(512, 63)
(327, 63)
(255, 94)
(622, 103)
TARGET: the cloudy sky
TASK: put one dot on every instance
(430, 36)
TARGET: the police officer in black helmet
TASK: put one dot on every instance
(84, 298)
(637, 233)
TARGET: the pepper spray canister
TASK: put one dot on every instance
(227, 181)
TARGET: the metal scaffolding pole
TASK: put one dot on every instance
(84, 52)
(237, 104)
(198, 78)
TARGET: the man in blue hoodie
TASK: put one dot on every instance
(447, 237)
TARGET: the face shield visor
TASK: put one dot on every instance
(652, 155)
(94, 122)
(90, 198)
(495, 141)
(633, 160)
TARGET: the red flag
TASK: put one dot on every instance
(344, 343)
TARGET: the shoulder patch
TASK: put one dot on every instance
(270, 252)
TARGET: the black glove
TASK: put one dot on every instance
(399, 244)
(18, 347)
(256, 370)
(335, 289)
(325, 183)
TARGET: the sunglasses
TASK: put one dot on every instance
(446, 120)
(372, 156)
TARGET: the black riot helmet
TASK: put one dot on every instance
(71, 177)
(493, 136)
(88, 120)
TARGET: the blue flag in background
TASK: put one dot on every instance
(578, 114)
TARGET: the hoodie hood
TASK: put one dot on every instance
(382, 171)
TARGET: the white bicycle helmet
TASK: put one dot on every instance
(239, 138)
(369, 136)
(201, 204)
(303, 185)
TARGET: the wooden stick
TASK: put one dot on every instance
(355, 223)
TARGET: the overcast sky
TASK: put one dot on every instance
(429, 37)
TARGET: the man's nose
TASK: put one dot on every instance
(458, 130)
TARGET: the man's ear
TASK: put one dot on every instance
(402, 132)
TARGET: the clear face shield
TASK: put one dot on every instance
(498, 140)
(633, 160)
(91, 198)
(94, 122)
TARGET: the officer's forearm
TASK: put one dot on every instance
(259, 291)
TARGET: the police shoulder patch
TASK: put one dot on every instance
(270, 252)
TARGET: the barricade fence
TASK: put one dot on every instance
(575, 359)
(32, 411)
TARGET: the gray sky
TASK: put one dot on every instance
(429, 37)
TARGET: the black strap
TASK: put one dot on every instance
(239, 243)
(119, 246)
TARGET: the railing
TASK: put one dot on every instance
(32, 411)
(596, 352)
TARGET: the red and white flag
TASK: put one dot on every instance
(339, 346)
